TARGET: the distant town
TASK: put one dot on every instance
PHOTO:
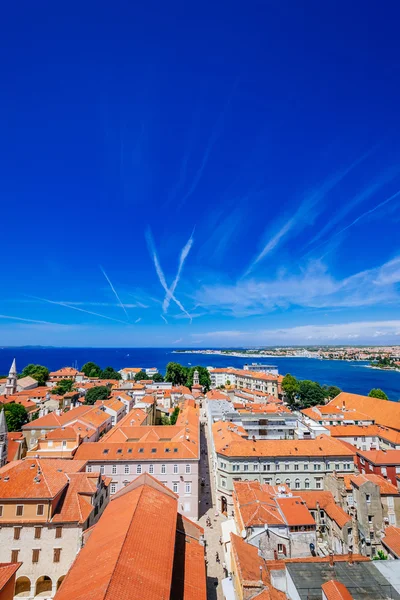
(381, 357)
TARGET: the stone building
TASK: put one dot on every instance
(45, 505)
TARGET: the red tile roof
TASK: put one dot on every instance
(7, 570)
(334, 590)
(134, 550)
(392, 540)
(383, 412)
(381, 457)
(386, 487)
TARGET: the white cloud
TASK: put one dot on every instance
(311, 287)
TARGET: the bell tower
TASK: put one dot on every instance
(11, 385)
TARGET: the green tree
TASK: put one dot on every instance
(377, 393)
(91, 369)
(110, 373)
(290, 386)
(310, 393)
(16, 416)
(100, 392)
(63, 386)
(380, 555)
(228, 382)
(157, 377)
(331, 391)
(176, 374)
(141, 375)
(38, 372)
(204, 377)
(174, 416)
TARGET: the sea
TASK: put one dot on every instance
(355, 377)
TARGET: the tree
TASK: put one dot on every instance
(228, 382)
(290, 386)
(157, 377)
(91, 369)
(63, 386)
(176, 373)
(16, 416)
(377, 393)
(204, 377)
(380, 555)
(141, 375)
(331, 391)
(101, 392)
(311, 393)
(174, 416)
(109, 373)
(38, 372)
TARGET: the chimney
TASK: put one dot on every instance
(331, 561)
(350, 557)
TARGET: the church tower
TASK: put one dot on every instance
(3, 439)
(196, 380)
(11, 385)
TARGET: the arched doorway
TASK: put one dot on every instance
(43, 585)
(224, 505)
(23, 587)
(60, 580)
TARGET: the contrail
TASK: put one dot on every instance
(182, 258)
(159, 271)
(89, 312)
(138, 320)
(164, 319)
(30, 320)
(115, 292)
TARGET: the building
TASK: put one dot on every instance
(16, 446)
(362, 437)
(90, 421)
(65, 373)
(142, 547)
(260, 368)
(328, 414)
(3, 439)
(300, 464)
(274, 520)
(113, 407)
(59, 443)
(380, 462)
(171, 453)
(244, 378)
(45, 505)
(12, 382)
(128, 373)
(382, 412)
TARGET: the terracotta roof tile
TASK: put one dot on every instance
(334, 590)
(392, 540)
(386, 487)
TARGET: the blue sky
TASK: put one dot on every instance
(214, 174)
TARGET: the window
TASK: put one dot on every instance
(188, 469)
(19, 511)
(337, 466)
(56, 554)
(255, 467)
(163, 469)
(296, 466)
(266, 467)
(392, 519)
(287, 482)
(38, 533)
(277, 466)
(297, 484)
(176, 468)
(235, 467)
(113, 488)
(102, 469)
(175, 487)
(390, 501)
(188, 487)
(17, 533)
(89, 469)
(64, 443)
(127, 469)
(383, 471)
(368, 497)
(58, 532)
(154, 450)
(307, 484)
(280, 548)
(1, 510)
(369, 518)
(223, 483)
(246, 467)
(114, 469)
(318, 484)
(151, 469)
(40, 510)
(287, 466)
(35, 555)
(277, 481)
(138, 469)
(14, 556)
(317, 466)
(306, 466)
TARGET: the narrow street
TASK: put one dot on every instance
(207, 508)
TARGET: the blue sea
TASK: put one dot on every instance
(349, 376)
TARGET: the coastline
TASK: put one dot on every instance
(380, 368)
